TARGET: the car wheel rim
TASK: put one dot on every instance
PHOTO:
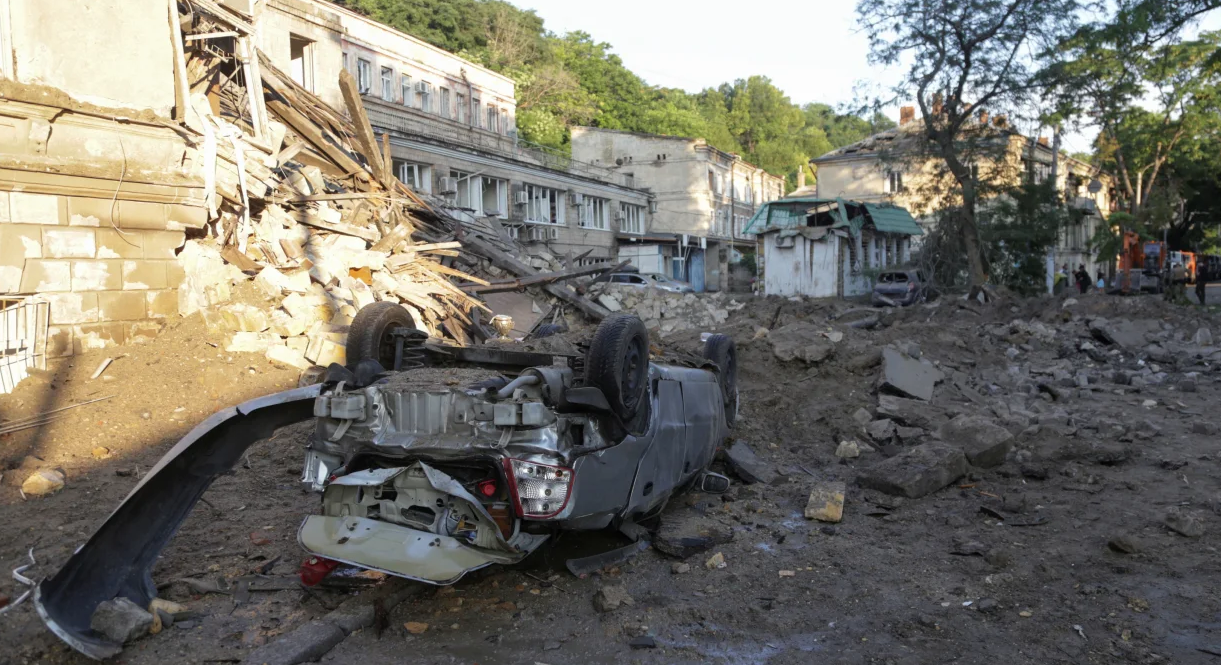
(633, 363)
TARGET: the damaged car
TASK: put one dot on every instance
(453, 459)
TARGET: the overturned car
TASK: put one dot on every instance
(455, 459)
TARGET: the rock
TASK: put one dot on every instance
(611, 597)
(251, 342)
(906, 376)
(987, 605)
(42, 483)
(1068, 302)
(1109, 453)
(289, 358)
(881, 430)
(100, 452)
(826, 503)
(680, 568)
(969, 548)
(984, 443)
(1203, 337)
(800, 341)
(747, 465)
(240, 317)
(415, 627)
(716, 562)
(863, 362)
(121, 620)
(909, 412)
(643, 642)
(684, 534)
(908, 434)
(848, 450)
(1184, 523)
(998, 557)
(916, 472)
(863, 417)
(1014, 503)
(1125, 333)
(610, 302)
(1199, 427)
(1124, 545)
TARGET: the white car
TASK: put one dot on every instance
(651, 279)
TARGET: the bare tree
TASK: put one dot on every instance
(961, 58)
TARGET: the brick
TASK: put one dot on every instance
(59, 342)
(101, 213)
(162, 244)
(143, 331)
(98, 335)
(174, 274)
(141, 215)
(10, 278)
(114, 245)
(64, 243)
(29, 208)
(161, 303)
(179, 217)
(143, 275)
(73, 308)
(19, 242)
(4, 208)
(97, 275)
(122, 305)
(41, 276)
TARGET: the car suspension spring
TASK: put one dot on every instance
(408, 349)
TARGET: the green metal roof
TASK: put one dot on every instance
(893, 219)
(783, 213)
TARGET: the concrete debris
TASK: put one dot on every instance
(984, 443)
(1203, 337)
(826, 503)
(611, 597)
(863, 417)
(801, 341)
(909, 412)
(42, 483)
(916, 472)
(680, 568)
(906, 376)
(1124, 545)
(881, 430)
(283, 356)
(121, 620)
(747, 466)
(610, 303)
(848, 450)
(1184, 523)
(685, 534)
(716, 562)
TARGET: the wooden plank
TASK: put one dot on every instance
(539, 279)
(364, 131)
(289, 152)
(437, 267)
(338, 227)
(391, 240)
(505, 261)
(306, 129)
(243, 262)
(181, 83)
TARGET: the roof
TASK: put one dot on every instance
(792, 212)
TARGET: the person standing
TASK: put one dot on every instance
(1201, 285)
(1083, 279)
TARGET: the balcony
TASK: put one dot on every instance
(415, 122)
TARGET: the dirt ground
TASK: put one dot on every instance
(1033, 579)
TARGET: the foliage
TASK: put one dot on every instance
(1017, 232)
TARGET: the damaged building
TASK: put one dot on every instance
(704, 199)
(824, 248)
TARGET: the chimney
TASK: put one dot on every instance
(983, 117)
(1001, 120)
(906, 114)
(801, 176)
(1043, 141)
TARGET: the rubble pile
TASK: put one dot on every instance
(668, 312)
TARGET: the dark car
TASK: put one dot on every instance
(458, 458)
(899, 288)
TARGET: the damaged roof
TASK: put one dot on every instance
(852, 215)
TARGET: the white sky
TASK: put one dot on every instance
(811, 50)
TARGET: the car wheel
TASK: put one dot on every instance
(369, 336)
(721, 350)
(547, 330)
(618, 363)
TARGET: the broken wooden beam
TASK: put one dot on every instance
(360, 121)
(511, 263)
(539, 279)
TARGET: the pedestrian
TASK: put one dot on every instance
(1202, 285)
(1178, 282)
(1102, 281)
(1083, 279)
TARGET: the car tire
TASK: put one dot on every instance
(369, 336)
(618, 364)
(547, 330)
(721, 350)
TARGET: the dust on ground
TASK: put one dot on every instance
(1030, 578)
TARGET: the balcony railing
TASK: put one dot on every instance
(414, 121)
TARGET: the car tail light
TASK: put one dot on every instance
(539, 491)
(487, 488)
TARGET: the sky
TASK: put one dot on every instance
(812, 50)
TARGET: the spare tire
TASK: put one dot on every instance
(721, 350)
(369, 336)
(618, 364)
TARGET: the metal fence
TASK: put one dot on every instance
(23, 339)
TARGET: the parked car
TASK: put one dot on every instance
(653, 279)
(899, 288)
(428, 480)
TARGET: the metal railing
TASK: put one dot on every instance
(23, 339)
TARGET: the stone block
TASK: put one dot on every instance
(285, 325)
(245, 318)
(10, 277)
(114, 245)
(162, 244)
(299, 343)
(983, 442)
(323, 351)
(181, 217)
(161, 304)
(59, 342)
(747, 466)
(19, 242)
(27, 208)
(67, 243)
(98, 213)
(121, 620)
(139, 332)
(271, 282)
(251, 342)
(826, 503)
(5, 217)
(122, 305)
(73, 308)
(97, 275)
(906, 376)
(909, 412)
(141, 215)
(98, 336)
(145, 275)
(916, 472)
(800, 341)
(42, 276)
(174, 274)
(282, 356)
(609, 302)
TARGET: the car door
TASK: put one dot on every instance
(660, 467)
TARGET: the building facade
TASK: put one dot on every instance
(452, 132)
(891, 167)
(704, 199)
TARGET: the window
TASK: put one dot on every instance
(631, 218)
(594, 214)
(425, 90)
(345, 60)
(493, 119)
(405, 88)
(387, 84)
(468, 190)
(301, 61)
(504, 121)
(445, 112)
(364, 76)
(544, 206)
(415, 176)
(495, 193)
(475, 111)
(893, 183)
(462, 108)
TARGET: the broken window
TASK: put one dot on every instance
(631, 218)
(467, 190)
(893, 183)
(495, 196)
(594, 214)
(387, 84)
(301, 61)
(415, 176)
(544, 205)
(364, 76)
